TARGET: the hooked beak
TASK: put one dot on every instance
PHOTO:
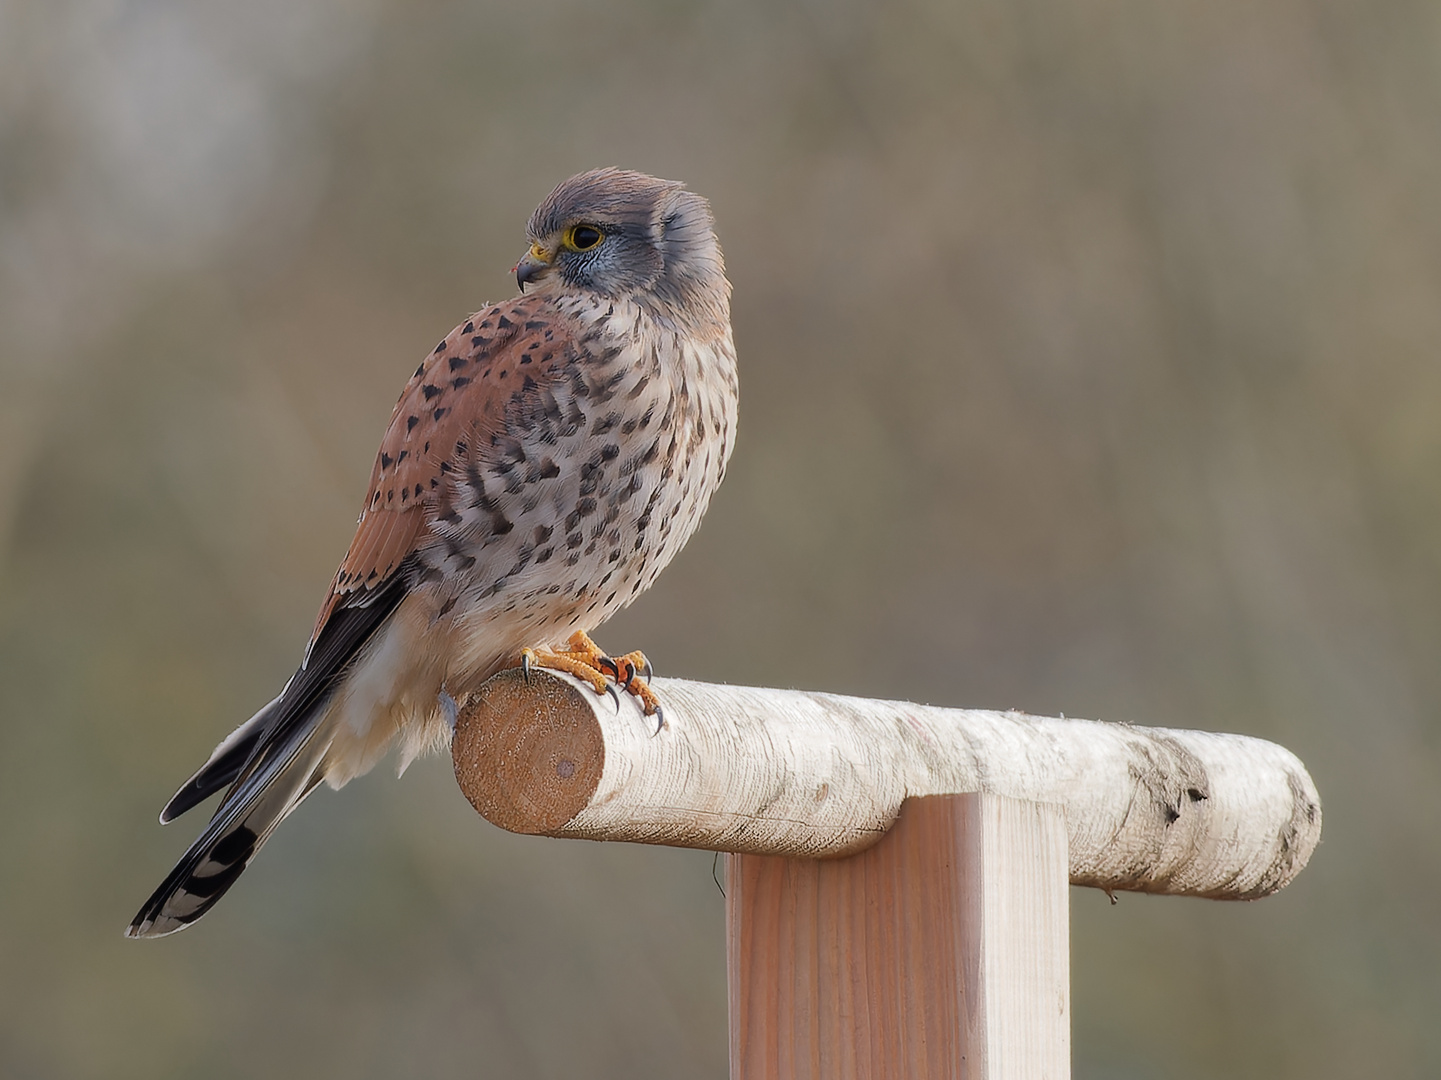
(532, 267)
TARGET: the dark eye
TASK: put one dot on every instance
(583, 237)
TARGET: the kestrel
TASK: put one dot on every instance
(543, 465)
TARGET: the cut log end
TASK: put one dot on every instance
(528, 754)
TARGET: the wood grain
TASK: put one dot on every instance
(541, 756)
(941, 952)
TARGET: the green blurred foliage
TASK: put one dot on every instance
(1089, 360)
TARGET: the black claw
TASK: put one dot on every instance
(659, 721)
(649, 672)
(605, 663)
(610, 689)
(525, 666)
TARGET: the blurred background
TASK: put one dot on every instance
(1089, 364)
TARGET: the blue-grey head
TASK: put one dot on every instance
(626, 235)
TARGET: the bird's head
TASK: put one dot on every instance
(626, 235)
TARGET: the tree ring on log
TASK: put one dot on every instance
(528, 755)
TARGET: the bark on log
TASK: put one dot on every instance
(785, 772)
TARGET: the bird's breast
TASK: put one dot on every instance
(590, 485)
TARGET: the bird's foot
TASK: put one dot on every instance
(585, 660)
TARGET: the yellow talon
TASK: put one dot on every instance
(584, 659)
(563, 661)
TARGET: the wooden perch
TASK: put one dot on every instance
(941, 949)
(784, 772)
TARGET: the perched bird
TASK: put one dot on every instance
(543, 465)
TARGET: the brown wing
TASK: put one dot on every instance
(460, 390)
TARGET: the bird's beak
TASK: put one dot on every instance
(532, 267)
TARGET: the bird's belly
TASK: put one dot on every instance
(570, 524)
(393, 693)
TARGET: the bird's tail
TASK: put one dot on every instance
(225, 764)
(286, 771)
(271, 763)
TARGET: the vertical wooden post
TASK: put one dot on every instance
(942, 953)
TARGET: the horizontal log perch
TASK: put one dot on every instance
(786, 772)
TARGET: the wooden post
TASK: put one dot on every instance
(939, 954)
(898, 903)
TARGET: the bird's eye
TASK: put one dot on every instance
(583, 237)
